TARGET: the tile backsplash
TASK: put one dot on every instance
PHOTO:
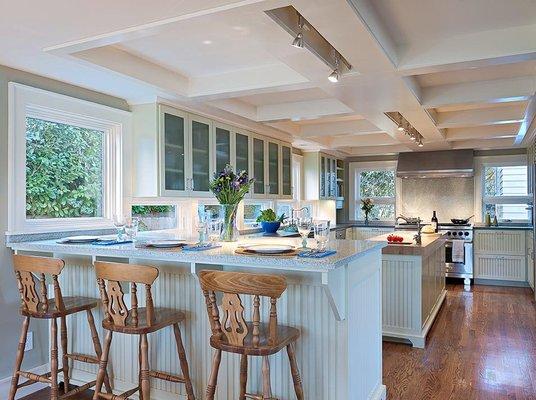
(449, 197)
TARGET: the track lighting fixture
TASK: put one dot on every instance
(336, 74)
(420, 144)
(298, 40)
(403, 126)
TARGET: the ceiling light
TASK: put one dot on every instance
(419, 143)
(334, 76)
(298, 40)
(400, 128)
(207, 41)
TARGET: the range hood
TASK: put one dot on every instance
(436, 164)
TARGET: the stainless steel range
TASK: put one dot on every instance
(458, 250)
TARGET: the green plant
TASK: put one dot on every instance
(228, 187)
(269, 215)
(148, 210)
(367, 205)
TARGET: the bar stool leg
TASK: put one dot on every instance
(184, 362)
(295, 372)
(64, 359)
(102, 365)
(243, 376)
(213, 380)
(54, 395)
(145, 388)
(97, 346)
(18, 360)
(266, 388)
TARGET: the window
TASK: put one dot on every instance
(375, 181)
(65, 166)
(505, 191)
(284, 208)
(252, 210)
(155, 217)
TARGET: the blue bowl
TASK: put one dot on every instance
(270, 227)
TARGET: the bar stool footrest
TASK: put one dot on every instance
(83, 358)
(78, 389)
(258, 397)
(167, 377)
(34, 378)
(122, 396)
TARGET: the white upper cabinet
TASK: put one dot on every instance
(176, 153)
(320, 176)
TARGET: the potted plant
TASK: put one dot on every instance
(270, 223)
(230, 188)
(367, 205)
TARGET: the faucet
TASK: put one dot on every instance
(417, 237)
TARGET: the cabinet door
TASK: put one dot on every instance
(508, 242)
(273, 168)
(286, 171)
(223, 147)
(200, 154)
(259, 187)
(323, 169)
(242, 153)
(173, 138)
(506, 268)
(332, 178)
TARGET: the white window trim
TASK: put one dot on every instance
(495, 161)
(355, 168)
(26, 101)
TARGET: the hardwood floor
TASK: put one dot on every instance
(481, 347)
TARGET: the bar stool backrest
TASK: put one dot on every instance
(29, 267)
(233, 284)
(109, 276)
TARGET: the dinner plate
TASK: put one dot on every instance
(165, 243)
(269, 248)
(80, 239)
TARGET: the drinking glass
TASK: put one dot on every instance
(214, 228)
(201, 225)
(119, 223)
(131, 227)
(321, 229)
(304, 228)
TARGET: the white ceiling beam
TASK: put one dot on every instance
(494, 91)
(477, 117)
(505, 143)
(361, 126)
(530, 114)
(477, 49)
(237, 107)
(362, 140)
(482, 132)
(375, 150)
(301, 110)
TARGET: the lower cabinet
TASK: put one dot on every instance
(495, 267)
(362, 233)
(530, 259)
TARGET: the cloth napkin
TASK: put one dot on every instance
(458, 252)
(109, 242)
(201, 247)
(317, 254)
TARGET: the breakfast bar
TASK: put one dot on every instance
(335, 302)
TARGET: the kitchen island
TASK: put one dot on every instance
(334, 301)
(413, 286)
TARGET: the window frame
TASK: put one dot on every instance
(355, 169)
(481, 163)
(25, 101)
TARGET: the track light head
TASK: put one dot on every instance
(334, 76)
(420, 143)
(298, 41)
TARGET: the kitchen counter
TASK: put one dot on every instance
(429, 243)
(334, 301)
(481, 225)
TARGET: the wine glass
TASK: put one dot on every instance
(201, 225)
(304, 228)
(321, 231)
(214, 229)
(119, 222)
(131, 227)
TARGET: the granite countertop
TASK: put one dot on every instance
(481, 225)
(347, 251)
(430, 242)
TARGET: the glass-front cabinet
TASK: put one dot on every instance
(328, 177)
(223, 146)
(173, 145)
(259, 171)
(242, 152)
(273, 168)
(201, 154)
(286, 171)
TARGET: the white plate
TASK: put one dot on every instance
(81, 239)
(166, 243)
(269, 248)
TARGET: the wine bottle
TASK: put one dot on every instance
(434, 222)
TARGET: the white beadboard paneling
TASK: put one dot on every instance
(500, 242)
(326, 352)
(508, 268)
(364, 233)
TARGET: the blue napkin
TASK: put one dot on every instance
(200, 247)
(109, 242)
(317, 254)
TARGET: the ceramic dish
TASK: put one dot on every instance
(165, 244)
(269, 248)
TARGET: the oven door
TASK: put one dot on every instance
(459, 269)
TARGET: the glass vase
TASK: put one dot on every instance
(229, 232)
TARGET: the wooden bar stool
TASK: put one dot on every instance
(34, 305)
(136, 321)
(234, 335)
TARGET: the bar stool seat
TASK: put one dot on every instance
(284, 336)
(71, 305)
(162, 317)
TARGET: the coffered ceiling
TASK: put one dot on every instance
(463, 73)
